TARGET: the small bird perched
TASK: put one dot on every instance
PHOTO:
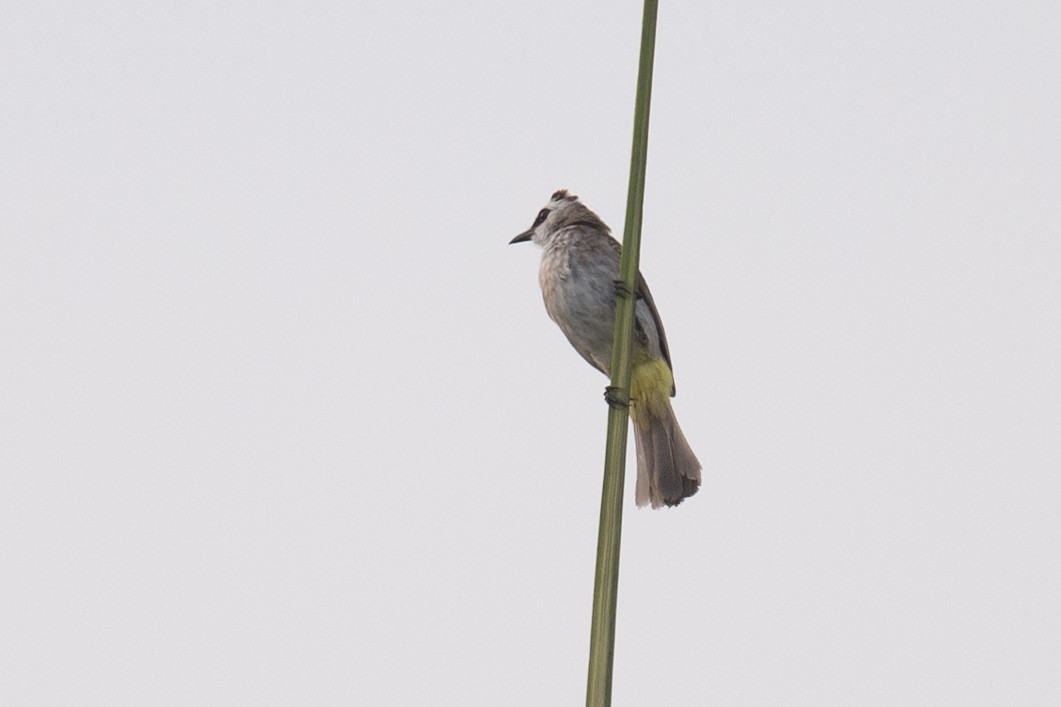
(579, 274)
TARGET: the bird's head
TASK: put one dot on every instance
(563, 210)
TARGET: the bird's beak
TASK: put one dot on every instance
(523, 237)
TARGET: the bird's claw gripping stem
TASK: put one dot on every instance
(621, 290)
(615, 397)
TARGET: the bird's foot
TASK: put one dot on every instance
(621, 290)
(616, 397)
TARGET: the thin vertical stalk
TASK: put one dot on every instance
(606, 585)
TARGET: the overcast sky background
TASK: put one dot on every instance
(283, 419)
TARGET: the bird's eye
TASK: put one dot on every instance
(542, 215)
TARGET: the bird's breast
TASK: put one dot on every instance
(579, 296)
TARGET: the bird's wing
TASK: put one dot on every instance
(644, 293)
(641, 288)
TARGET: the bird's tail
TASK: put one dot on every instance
(667, 469)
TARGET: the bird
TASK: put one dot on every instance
(579, 276)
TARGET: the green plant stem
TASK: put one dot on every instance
(606, 585)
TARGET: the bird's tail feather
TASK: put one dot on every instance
(667, 469)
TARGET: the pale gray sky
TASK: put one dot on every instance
(283, 419)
